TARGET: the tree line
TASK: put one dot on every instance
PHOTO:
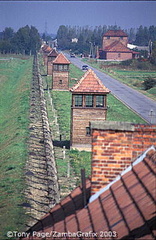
(25, 41)
(89, 35)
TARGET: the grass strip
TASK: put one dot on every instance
(15, 76)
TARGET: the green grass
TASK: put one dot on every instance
(79, 160)
(75, 75)
(62, 103)
(15, 78)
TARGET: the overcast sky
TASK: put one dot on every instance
(125, 14)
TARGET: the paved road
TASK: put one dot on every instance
(132, 98)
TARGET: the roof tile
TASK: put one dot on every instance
(117, 46)
(46, 49)
(53, 53)
(72, 225)
(115, 33)
(90, 83)
(84, 220)
(61, 59)
(120, 229)
(126, 207)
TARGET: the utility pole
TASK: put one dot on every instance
(91, 49)
(150, 48)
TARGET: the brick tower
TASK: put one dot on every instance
(60, 73)
(89, 103)
(112, 36)
(114, 46)
(46, 50)
(51, 56)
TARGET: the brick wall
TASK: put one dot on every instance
(81, 118)
(60, 80)
(114, 146)
(118, 56)
(49, 68)
(143, 137)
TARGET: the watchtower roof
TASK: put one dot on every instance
(46, 49)
(61, 59)
(89, 83)
(53, 53)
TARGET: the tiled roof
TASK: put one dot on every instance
(61, 59)
(125, 209)
(117, 46)
(90, 83)
(115, 33)
(53, 53)
(46, 49)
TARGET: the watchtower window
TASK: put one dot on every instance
(78, 100)
(60, 81)
(66, 67)
(89, 101)
(55, 67)
(100, 101)
(49, 59)
(61, 67)
(88, 132)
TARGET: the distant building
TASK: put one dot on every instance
(45, 51)
(114, 46)
(60, 73)
(89, 103)
(50, 58)
(74, 40)
(53, 43)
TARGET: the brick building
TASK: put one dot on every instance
(45, 51)
(50, 58)
(114, 46)
(60, 73)
(89, 102)
(115, 145)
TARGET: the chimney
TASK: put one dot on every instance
(114, 146)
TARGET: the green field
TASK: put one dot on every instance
(15, 76)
